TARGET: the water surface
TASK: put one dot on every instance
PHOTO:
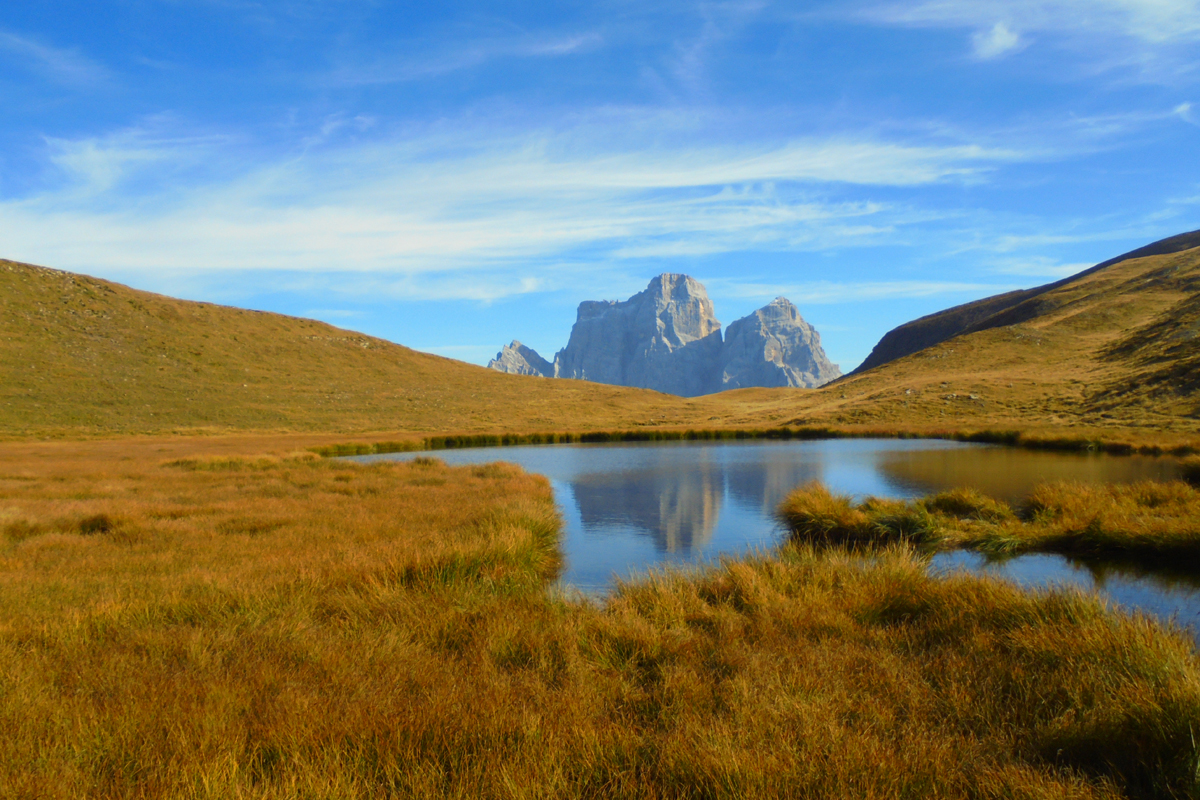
(634, 506)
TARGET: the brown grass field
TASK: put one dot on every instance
(188, 625)
(197, 606)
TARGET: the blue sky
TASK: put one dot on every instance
(451, 176)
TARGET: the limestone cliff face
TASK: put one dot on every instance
(664, 338)
(774, 346)
(517, 359)
(667, 338)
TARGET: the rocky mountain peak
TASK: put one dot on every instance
(667, 337)
(517, 359)
(774, 346)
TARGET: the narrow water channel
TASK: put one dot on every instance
(632, 507)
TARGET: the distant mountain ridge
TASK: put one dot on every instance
(667, 338)
(998, 310)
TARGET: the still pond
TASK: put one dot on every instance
(631, 507)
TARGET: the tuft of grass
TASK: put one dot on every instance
(814, 514)
(224, 463)
(967, 504)
(1150, 521)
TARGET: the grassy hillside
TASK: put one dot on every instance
(1115, 349)
(1112, 353)
(998, 310)
(80, 355)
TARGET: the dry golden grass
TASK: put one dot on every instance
(183, 623)
(226, 616)
(1146, 521)
(85, 357)
(1110, 358)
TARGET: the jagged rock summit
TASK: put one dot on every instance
(517, 359)
(774, 346)
(667, 338)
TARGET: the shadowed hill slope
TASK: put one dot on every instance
(81, 355)
(1117, 347)
(996, 311)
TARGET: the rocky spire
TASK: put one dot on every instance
(774, 346)
(665, 338)
(517, 359)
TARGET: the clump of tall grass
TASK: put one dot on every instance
(1146, 520)
(89, 524)
(814, 514)
(967, 504)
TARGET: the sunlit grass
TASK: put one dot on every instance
(244, 626)
(1145, 520)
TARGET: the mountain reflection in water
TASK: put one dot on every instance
(677, 506)
(677, 502)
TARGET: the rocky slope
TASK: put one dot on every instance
(667, 338)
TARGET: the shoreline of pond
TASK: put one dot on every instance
(1009, 438)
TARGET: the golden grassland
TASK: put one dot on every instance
(189, 624)
(1146, 521)
(197, 606)
(1111, 357)
(83, 357)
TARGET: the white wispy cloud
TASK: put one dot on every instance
(414, 66)
(1139, 34)
(423, 210)
(719, 21)
(1152, 21)
(64, 66)
(94, 167)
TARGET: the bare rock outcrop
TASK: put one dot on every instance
(665, 338)
(774, 346)
(517, 359)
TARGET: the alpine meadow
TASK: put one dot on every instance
(283, 518)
